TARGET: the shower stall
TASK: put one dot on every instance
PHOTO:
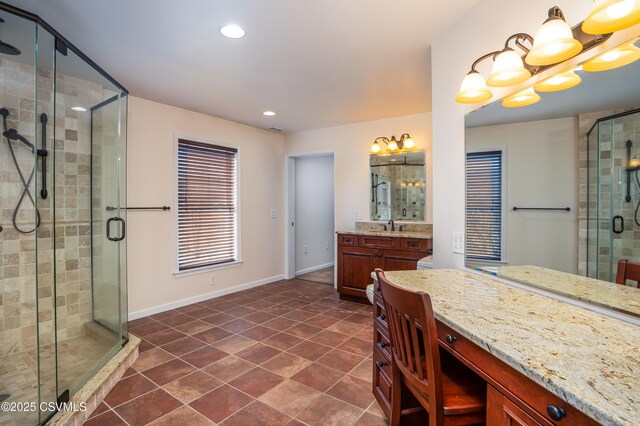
(613, 193)
(63, 299)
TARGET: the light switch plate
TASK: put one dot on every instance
(274, 213)
(358, 215)
(458, 242)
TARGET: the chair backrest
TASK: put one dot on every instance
(628, 271)
(415, 351)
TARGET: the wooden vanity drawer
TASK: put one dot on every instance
(381, 380)
(380, 314)
(509, 382)
(414, 244)
(377, 242)
(347, 240)
(382, 342)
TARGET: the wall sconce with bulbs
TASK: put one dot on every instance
(393, 146)
(554, 42)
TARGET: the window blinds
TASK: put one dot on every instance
(484, 205)
(207, 205)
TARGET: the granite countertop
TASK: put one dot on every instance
(403, 234)
(587, 359)
(603, 293)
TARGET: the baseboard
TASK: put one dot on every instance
(314, 268)
(200, 298)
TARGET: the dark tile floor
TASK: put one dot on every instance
(287, 353)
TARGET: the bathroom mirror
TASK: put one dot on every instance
(398, 186)
(553, 189)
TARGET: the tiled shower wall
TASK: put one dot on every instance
(608, 145)
(18, 294)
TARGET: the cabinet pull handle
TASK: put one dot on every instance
(382, 317)
(381, 364)
(451, 339)
(555, 412)
(382, 345)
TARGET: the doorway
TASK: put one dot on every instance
(311, 218)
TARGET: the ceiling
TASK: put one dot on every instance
(316, 63)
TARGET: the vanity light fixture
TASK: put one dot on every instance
(554, 41)
(608, 16)
(524, 98)
(473, 89)
(394, 146)
(508, 68)
(562, 81)
(615, 58)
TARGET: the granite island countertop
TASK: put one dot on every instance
(589, 360)
(610, 295)
(402, 234)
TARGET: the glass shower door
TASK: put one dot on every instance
(87, 181)
(615, 143)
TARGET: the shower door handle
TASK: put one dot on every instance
(121, 221)
(614, 221)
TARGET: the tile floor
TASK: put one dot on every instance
(288, 353)
(324, 276)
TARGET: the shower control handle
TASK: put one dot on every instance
(614, 222)
(121, 221)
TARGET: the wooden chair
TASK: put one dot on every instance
(628, 271)
(451, 396)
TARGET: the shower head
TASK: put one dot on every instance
(6, 48)
(13, 135)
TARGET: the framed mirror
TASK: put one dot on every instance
(553, 189)
(398, 186)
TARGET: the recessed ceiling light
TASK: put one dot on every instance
(269, 113)
(232, 31)
(79, 109)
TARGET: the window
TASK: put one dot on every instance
(207, 205)
(484, 205)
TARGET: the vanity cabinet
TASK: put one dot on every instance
(359, 255)
(512, 398)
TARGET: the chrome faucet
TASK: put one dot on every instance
(393, 226)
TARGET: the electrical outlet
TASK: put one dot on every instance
(306, 249)
(327, 245)
(274, 213)
(212, 280)
(359, 215)
(458, 242)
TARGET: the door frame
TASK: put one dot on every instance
(290, 210)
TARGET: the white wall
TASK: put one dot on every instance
(541, 171)
(314, 212)
(351, 145)
(151, 182)
(483, 29)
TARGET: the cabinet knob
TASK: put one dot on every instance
(451, 338)
(382, 317)
(382, 345)
(555, 412)
(381, 364)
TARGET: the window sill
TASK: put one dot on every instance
(205, 269)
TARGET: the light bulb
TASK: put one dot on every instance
(608, 16)
(473, 89)
(559, 82)
(616, 58)
(508, 69)
(393, 145)
(553, 43)
(409, 143)
(521, 99)
(375, 148)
